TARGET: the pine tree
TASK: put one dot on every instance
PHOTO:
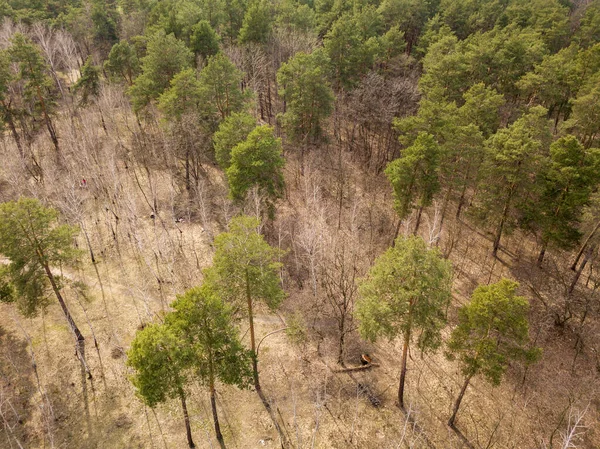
(161, 363)
(245, 270)
(308, 96)
(33, 241)
(232, 131)
(205, 324)
(257, 161)
(414, 176)
(406, 292)
(492, 331)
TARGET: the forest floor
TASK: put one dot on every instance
(319, 407)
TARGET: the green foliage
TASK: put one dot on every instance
(589, 29)
(308, 96)
(183, 96)
(204, 41)
(166, 56)
(104, 19)
(220, 82)
(33, 70)
(572, 175)
(554, 80)
(244, 263)
(409, 15)
(257, 24)
(407, 290)
(7, 290)
(232, 131)
(123, 62)
(584, 122)
(205, 325)
(493, 330)
(160, 361)
(88, 85)
(350, 56)
(515, 155)
(33, 241)
(294, 15)
(414, 175)
(257, 161)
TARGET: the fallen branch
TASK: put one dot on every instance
(356, 368)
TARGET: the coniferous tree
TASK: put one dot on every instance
(493, 330)
(205, 324)
(406, 292)
(308, 96)
(414, 177)
(34, 242)
(509, 176)
(161, 362)
(38, 87)
(257, 161)
(232, 131)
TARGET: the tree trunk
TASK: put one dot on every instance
(403, 369)
(500, 228)
(213, 406)
(459, 400)
(588, 255)
(186, 417)
(263, 398)
(540, 258)
(583, 246)
(80, 340)
(252, 338)
(418, 223)
(13, 130)
(342, 328)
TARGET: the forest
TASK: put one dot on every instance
(300, 224)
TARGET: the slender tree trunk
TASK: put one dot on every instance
(342, 327)
(501, 226)
(418, 223)
(13, 129)
(252, 337)
(186, 417)
(583, 246)
(403, 369)
(213, 405)
(459, 400)
(263, 398)
(588, 256)
(540, 258)
(80, 340)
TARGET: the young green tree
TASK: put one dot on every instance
(221, 81)
(305, 89)
(38, 86)
(257, 24)
(123, 62)
(204, 41)
(166, 56)
(414, 176)
(257, 161)
(232, 131)
(189, 118)
(88, 85)
(349, 54)
(33, 241)
(492, 331)
(7, 111)
(405, 292)
(205, 324)
(515, 156)
(568, 182)
(161, 363)
(245, 270)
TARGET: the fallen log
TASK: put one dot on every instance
(356, 368)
